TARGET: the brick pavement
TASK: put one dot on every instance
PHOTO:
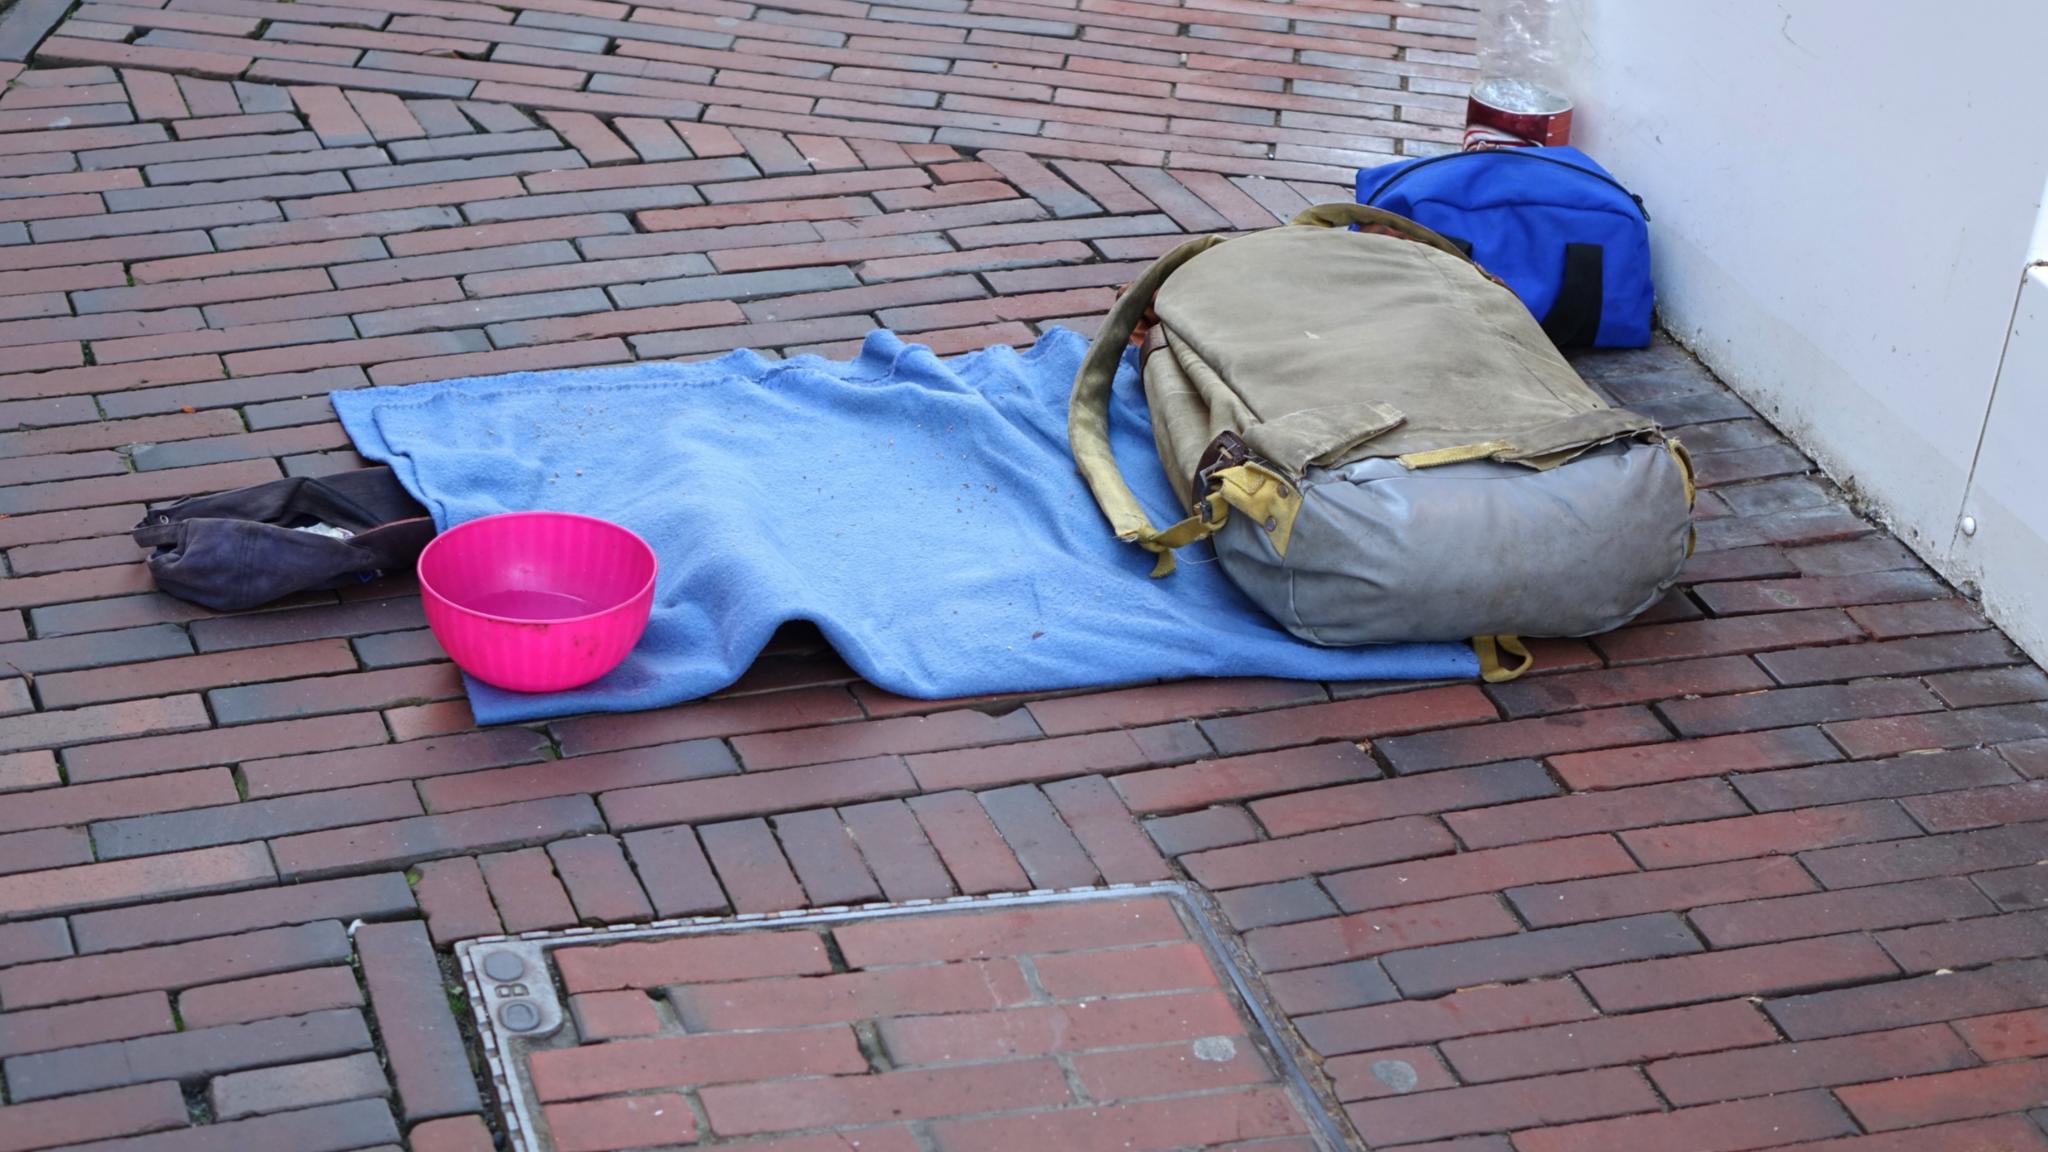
(1760, 870)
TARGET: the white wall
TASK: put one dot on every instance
(1846, 195)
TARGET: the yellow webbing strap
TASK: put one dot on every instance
(1088, 415)
(1269, 498)
(1489, 648)
(1457, 454)
(1684, 458)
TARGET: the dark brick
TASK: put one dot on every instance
(26, 941)
(1482, 871)
(260, 1091)
(1478, 787)
(1871, 779)
(757, 793)
(327, 1128)
(1217, 827)
(1884, 737)
(170, 922)
(422, 1045)
(188, 1056)
(1946, 855)
(1921, 1000)
(1350, 719)
(253, 820)
(1577, 901)
(1324, 852)
(1779, 1068)
(1707, 756)
(1977, 688)
(752, 867)
(1772, 832)
(600, 883)
(1599, 1043)
(633, 767)
(461, 752)
(1609, 687)
(1791, 706)
(1265, 905)
(1541, 736)
(1370, 934)
(87, 886)
(1968, 942)
(1750, 1124)
(1760, 970)
(1443, 968)
(1050, 854)
(524, 887)
(903, 861)
(1199, 785)
(1854, 910)
(672, 868)
(1518, 1104)
(173, 966)
(1892, 658)
(315, 854)
(1738, 634)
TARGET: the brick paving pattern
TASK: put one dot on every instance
(1761, 870)
(1074, 1025)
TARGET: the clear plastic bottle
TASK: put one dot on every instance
(1525, 49)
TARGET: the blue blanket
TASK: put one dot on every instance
(923, 512)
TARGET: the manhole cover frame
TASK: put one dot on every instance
(537, 1011)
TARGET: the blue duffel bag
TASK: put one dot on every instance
(1551, 223)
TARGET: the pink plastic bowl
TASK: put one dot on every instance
(537, 601)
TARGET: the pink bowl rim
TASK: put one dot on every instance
(646, 589)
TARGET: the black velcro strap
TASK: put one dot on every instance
(1574, 318)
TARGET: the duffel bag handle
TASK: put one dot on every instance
(1345, 215)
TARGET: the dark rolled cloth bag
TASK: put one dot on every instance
(243, 549)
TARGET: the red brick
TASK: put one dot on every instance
(1165, 1069)
(319, 770)
(524, 888)
(1264, 861)
(456, 902)
(1979, 687)
(1968, 942)
(124, 881)
(1608, 687)
(1709, 756)
(1760, 970)
(1059, 757)
(614, 1015)
(1775, 832)
(1483, 871)
(1198, 785)
(1481, 786)
(745, 1109)
(1956, 1095)
(1371, 934)
(222, 747)
(150, 1107)
(286, 994)
(677, 1061)
(1396, 1072)
(1039, 1031)
(1732, 635)
(103, 722)
(1122, 971)
(1047, 928)
(1165, 703)
(1470, 1012)
(802, 746)
(1515, 1104)
(1921, 618)
(621, 1122)
(2007, 1035)
(692, 959)
(968, 843)
(1351, 719)
(850, 996)
(1824, 913)
(1815, 1064)
(1596, 812)
(758, 793)
(92, 1022)
(2004, 1134)
(173, 966)
(192, 673)
(1751, 1124)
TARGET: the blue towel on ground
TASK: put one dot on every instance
(923, 512)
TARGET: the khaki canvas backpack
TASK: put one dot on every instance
(1382, 443)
